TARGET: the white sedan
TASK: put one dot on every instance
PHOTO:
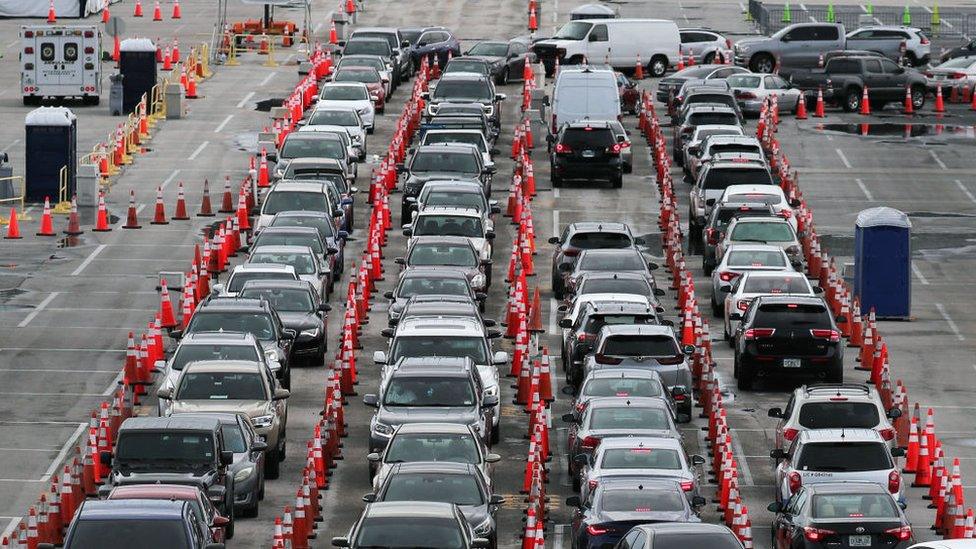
(771, 195)
(349, 94)
(752, 284)
(742, 258)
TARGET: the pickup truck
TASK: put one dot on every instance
(793, 47)
(844, 78)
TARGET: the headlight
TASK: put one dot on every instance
(357, 138)
(491, 391)
(383, 429)
(271, 354)
(483, 529)
(262, 421)
(489, 109)
(313, 332)
(243, 473)
(478, 281)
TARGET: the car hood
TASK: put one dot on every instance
(474, 514)
(399, 415)
(203, 478)
(359, 104)
(299, 321)
(646, 517)
(252, 408)
(469, 272)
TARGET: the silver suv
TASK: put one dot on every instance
(833, 406)
(888, 39)
(837, 455)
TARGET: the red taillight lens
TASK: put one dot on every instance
(790, 434)
(745, 95)
(583, 338)
(28, 34)
(614, 150)
(894, 482)
(832, 335)
(594, 530)
(727, 276)
(795, 481)
(816, 534)
(887, 434)
(786, 214)
(624, 145)
(903, 533)
(687, 486)
(756, 333)
(687, 130)
(555, 128)
(89, 51)
(712, 236)
(923, 41)
(592, 484)
(728, 43)
(743, 304)
(603, 359)
(580, 406)
(668, 360)
(89, 34)
(571, 252)
(563, 149)
(29, 50)
(591, 442)
(956, 75)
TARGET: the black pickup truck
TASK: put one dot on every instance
(844, 78)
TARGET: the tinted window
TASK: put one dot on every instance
(373, 62)
(186, 354)
(298, 147)
(454, 255)
(233, 438)
(149, 446)
(257, 324)
(457, 489)
(466, 65)
(410, 35)
(640, 345)
(826, 33)
(349, 74)
(622, 387)
(846, 506)
(793, 315)
(630, 500)
(719, 179)
(478, 90)
(410, 531)
(455, 347)
(428, 285)
(367, 47)
(458, 162)
(744, 81)
(889, 66)
(588, 138)
(146, 534)
(720, 98)
(429, 391)
(629, 418)
(489, 49)
(390, 37)
(755, 198)
(843, 66)
(844, 457)
(285, 239)
(756, 258)
(595, 322)
(283, 300)
(801, 33)
(744, 148)
(221, 386)
(641, 458)
(612, 262)
(345, 93)
(599, 34)
(713, 118)
(704, 131)
(762, 232)
(776, 285)
(697, 539)
(238, 279)
(589, 241)
(575, 30)
(334, 117)
(469, 138)
(464, 200)
(615, 286)
(838, 415)
(410, 447)
(872, 65)
(302, 263)
(449, 225)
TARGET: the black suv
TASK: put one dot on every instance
(578, 339)
(586, 149)
(790, 336)
(174, 450)
(442, 161)
(254, 316)
(718, 222)
(300, 309)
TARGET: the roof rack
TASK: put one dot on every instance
(836, 387)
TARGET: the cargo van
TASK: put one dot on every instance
(60, 61)
(617, 42)
(584, 92)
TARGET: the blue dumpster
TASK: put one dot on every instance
(883, 262)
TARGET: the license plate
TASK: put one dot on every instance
(792, 363)
(859, 541)
(588, 154)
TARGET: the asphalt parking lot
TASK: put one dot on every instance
(66, 305)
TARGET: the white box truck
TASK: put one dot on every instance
(60, 61)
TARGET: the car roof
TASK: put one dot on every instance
(610, 251)
(647, 482)
(266, 267)
(440, 326)
(840, 435)
(223, 338)
(434, 428)
(761, 189)
(852, 487)
(233, 304)
(355, 38)
(428, 272)
(599, 226)
(636, 329)
(698, 527)
(633, 298)
(773, 274)
(443, 370)
(289, 229)
(315, 161)
(751, 247)
(155, 491)
(624, 275)
(177, 422)
(224, 418)
(709, 107)
(453, 210)
(463, 76)
(292, 185)
(415, 509)
(277, 284)
(639, 442)
(418, 362)
(441, 239)
(298, 213)
(610, 307)
(635, 401)
(446, 467)
(586, 123)
(375, 29)
(310, 135)
(623, 373)
(836, 389)
(121, 509)
(461, 307)
(709, 127)
(792, 298)
(283, 249)
(448, 147)
(759, 219)
(457, 185)
(736, 164)
(347, 84)
(238, 366)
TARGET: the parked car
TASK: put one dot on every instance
(705, 45)
(381, 64)
(668, 535)
(438, 163)
(618, 260)
(349, 95)
(301, 309)
(369, 76)
(773, 230)
(843, 80)
(752, 90)
(670, 86)
(423, 281)
(399, 49)
(745, 258)
(411, 524)
(324, 223)
(587, 149)
(895, 42)
(958, 73)
(348, 118)
(506, 59)
(217, 345)
(628, 92)
(618, 41)
(436, 44)
(579, 236)
(622, 383)
(308, 265)
(799, 45)
(466, 88)
(204, 511)
(585, 92)
(579, 337)
(454, 252)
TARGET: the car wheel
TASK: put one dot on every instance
(617, 181)
(493, 541)
(658, 66)
(369, 130)
(745, 378)
(910, 60)
(319, 359)
(556, 181)
(852, 100)
(717, 309)
(762, 62)
(229, 528)
(918, 97)
(707, 267)
(250, 511)
(576, 481)
(836, 373)
(709, 58)
(726, 335)
(496, 433)
(505, 76)
(558, 290)
(272, 465)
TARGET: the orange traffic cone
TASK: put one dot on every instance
(167, 60)
(13, 229)
(132, 220)
(865, 102)
(333, 35)
(801, 108)
(972, 104)
(157, 12)
(909, 105)
(166, 314)
(533, 21)
(106, 15)
(181, 214)
(101, 219)
(74, 227)
(138, 11)
(52, 17)
(681, 60)
(639, 69)
(176, 9)
(227, 204)
(191, 87)
(160, 216)
(206, 210)
(939, 104)
(819, 112)
(47, 223)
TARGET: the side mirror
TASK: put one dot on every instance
(480, 543)
(281, 394)
(388, 295)
(332, 251)
(568, 390)
(405, 44)
(490, 401)
(493, 458)
(659, 292)
(176, 334)
(777, 454)
(774, 507)
(496, 499)
(343, 235)
(226, 457)
(562, 308)
(369, 498)
(490, 235)
(775, 412)
(386, 332)
(373, 457)
(565, 323)
(486, 262)
(550, 138)
(371, 400)
(400, 168)
(499, 358)
(425, 95)
(697, 460)
(735, 316)
(897, 452)
(400, 261)
(565, 267)
(165, 393)
(105, 458)
(653, 266)
(841, 318)
(480, 296)
(500, 97)
(493, 152)
(894, 413)
(698, 501)
(574, 501)
(340, 541)
(581, 459)
(259, 446)
(553, 240)
(379, 357)
(688, 350)
(710, 202)
(495, 209)
(489, 322)
(325, 307)
(494, 334)
(217, 289)
(221, 521)
(407, 231)
(725, 288)
(818, 290)
(795, 203)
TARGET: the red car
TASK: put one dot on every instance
(629, 94)
(205, 511)
(369, 76)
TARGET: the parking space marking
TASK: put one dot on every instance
(938, 160)
(555, 193)
(555, 222)
(37, 310)
(193, 156)
(553, 314)
(169, 180)
(918, 274)
(91, 257)
(965, 191)
(268, 78)
(743, 466)
(244, 101)
(843, 158)
(864, 189)
(558, 530)
(12, 143)
(220, 127)
(950, 322)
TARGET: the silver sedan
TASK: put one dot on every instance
(752, 89)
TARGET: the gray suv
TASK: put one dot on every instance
(797, 46)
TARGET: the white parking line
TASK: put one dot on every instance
(743, 466)
(65, 448)
(37, 310)
(802, 6)
(864, 189)
(950, 322)
(199, 150)
(938, 160)
(557, 540)
(244, 101)
(268, 78)
(555, 223)
(91, 257)
(555, 193)
(220, 127)
(553, 314)
(965, 191)
(918, 274)
(843, 158)
(12, 143)
(169, 179)
(317, 26)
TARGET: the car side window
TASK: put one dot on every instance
(889, 66)
(771, 83)
(801, 33)
(628, 541)
(825, 33)
(517, 48)
(789, 407)
(872, 66)
(736, 284)
(599, 33)
(638, 542)
(863, 35)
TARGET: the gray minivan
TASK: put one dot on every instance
(584, 92)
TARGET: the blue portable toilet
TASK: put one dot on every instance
(883, 262)
(51, 144)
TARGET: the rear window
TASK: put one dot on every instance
(611, 262)
(589, 241)
(847, 506)
(775, 285)
(838, 415)
(641, 458)
(744, 81)
(735, 148)
(631, 500)
(146, 534)
(640, 345)
(588, 138)
(841, 457)
(756, 258)
(793, 315)
(713, 118)
(755, 198)
(719, 178)
(615, 286)
(762, 232)
(721, 99)
(594, 323)
(709, 540)
(622, 387)
(629, 418)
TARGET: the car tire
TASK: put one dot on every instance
(852, 100)
(558, 289)
(836, 373)
(272, 465)
(717, 309)
(229, 528)
(617, 181)
(707, 267)
(762, 62)
(910, 60)
(369, 130)
(728, 336)
(319, 359)
(229, 509)
(575, 481)
(504, 77)
(556, 181)
(250, 511)
(657, 66)
(918, 97)
(493, 541)
(709, 58)
(496, 433)
(745, 378)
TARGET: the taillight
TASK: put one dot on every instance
(28, 34)
(786, 214)
(591, 442)
(592, 484)
(727, 276)
(687, 130)
(887, 434)
(614, 149)
(923, 41)
(956, 75)
(687, 486)
(756, 333)
(928, 74)
(669, 360)
(584, 337)
(563, 149)
(795, 482)
(89, 34)
(580, 406)
(594, 530)
(745, 95)
(29, 50)
(903, 533)
(894, 482)
(624, 145)
(816, 534)
(743, 304)
(790, 434)
(728, 43)
(571, 252)
(832, 335)
(603, 359)
(712, 236)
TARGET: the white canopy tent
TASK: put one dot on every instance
(63, 8)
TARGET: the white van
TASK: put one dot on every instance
(617, 42)
(584, 92)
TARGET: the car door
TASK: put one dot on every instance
(516, 58)
(797, 47)
(878, 83)
(781, 423)
(784, 524)
(598, 47)
(894, 76)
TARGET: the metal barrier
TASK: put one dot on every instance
(243, 42)
(63, 205)
(21, 216)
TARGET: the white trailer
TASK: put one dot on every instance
(60, 61)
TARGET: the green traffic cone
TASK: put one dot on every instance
(935, 15)
(906, 17)
(830, 13)
(787, 17)
(869, 8)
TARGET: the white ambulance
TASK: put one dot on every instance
(60, 61)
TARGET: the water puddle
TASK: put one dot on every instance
(265, 105)
(904, 132)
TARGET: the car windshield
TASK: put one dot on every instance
(636, 500)
(303, 264)
(142, 533)
(301, 146)
(838, 414)
(719, 98)
(472, 90)
(957, 63)
(641, 458)
(429, 391)
(238, 279)
(575, 30)
(432, 285)
(622, 387)
(283, 299)
(762, 232)
(367, 47)
(796, 315)
(257, 324)
(439, 161)
(453, 255)
(186, 354)
(719, 179)
(233, 438)
(411, 35)
(695, 72)
(322, 223)
(743, 148)
(489, 49)
(640, 345)
(440, 346)
(466, 65)
(221, 386)
(612, 262)
(701, 134)
(371, 62)
(288, 239)
(589, 241)
(623, 418)
(776, 285)
(334, 117)
(595, 322)
(460, 448)
(591, 98)
(162, 446)
(441, 487)
(345, 93)
(283, 201)
(744, 81)
(367, 75)
(844, 457)
(615, 286)
(313, 174)
(756, 258)
(853, 506)
(389, 37)
(712, 118)
(462, 200)
(588, 138)
(409, 532)
(470, 138)
(449, 225)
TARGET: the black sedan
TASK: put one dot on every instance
(842, 514)
(620, 503)
(300, 309)
(507, 59)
